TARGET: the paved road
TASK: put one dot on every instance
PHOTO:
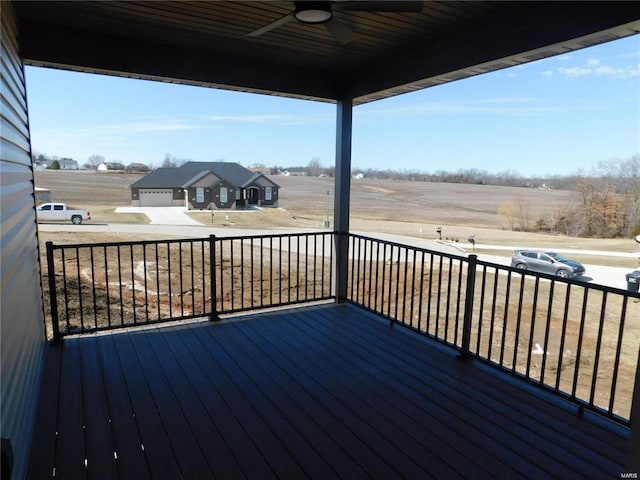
(173, 221)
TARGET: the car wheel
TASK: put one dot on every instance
(562, 274)
(76, 220)
(521, 266)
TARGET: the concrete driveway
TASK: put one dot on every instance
(162, 215)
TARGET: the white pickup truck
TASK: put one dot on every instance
(55, 212)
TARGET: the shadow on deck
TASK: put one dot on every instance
(325, 392)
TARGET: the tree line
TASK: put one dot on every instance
(605, 204)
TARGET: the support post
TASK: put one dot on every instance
(465, 354)
(342, 194)
(212, 278)
(53, 298)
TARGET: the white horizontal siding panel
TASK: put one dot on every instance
(21, 310)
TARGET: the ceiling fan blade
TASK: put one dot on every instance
(379, 6)
(340, 31)
(271, 26)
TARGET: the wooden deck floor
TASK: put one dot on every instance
(317, 392)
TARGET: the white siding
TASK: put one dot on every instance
(21, 316)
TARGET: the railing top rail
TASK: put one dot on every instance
(58, 246)
(277, 235)
(413, 247)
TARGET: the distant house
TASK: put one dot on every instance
(64, 163)
(205, 185)
(110, 167)
(137, 168)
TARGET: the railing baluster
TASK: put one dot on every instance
(583, 316)
(212, 276)
(106, 286)
(158, 301)
(181, 270)
(421, 291)
(518, 325)
(465, 354)
(306, 265)
(563, 336)
(505, 319)
(232, 274)
(596, 360)
(483, 284)
(93, 288)
(281, 248)
(546, 332)
(397, 263)
(375, 300)
(146, 289)
(253, 274)
(427, 326)
(242, 299)
(494, 302)
(193, 285)
(614, 379)
(448, 301)
(536, 289)
(80, 296)
(168, 281)
(262, 269)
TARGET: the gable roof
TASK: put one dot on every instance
(190, 172)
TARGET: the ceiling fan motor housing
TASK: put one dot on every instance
(313, 12)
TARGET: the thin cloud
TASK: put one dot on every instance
(574, 71)
(595, 67)
(275, 119)
(508, 106)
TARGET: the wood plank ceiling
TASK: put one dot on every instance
(206, 43)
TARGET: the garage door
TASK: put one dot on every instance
(156, 198)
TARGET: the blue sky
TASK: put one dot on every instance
(556, 116)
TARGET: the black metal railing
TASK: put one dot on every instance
(573, 338)
(102, 286)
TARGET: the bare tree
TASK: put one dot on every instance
(314, 166)
(171, 161)
(94, 160)
(508, 211)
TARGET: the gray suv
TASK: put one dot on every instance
(546, 262)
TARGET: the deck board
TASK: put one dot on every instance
(316, 392)
(100, 446)
(127, 441)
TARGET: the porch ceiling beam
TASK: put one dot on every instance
(91, 52)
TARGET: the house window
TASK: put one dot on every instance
(238, 194)
(223, 195)
(267, 193)
(200, 194)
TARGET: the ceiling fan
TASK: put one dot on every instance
(314, 13)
